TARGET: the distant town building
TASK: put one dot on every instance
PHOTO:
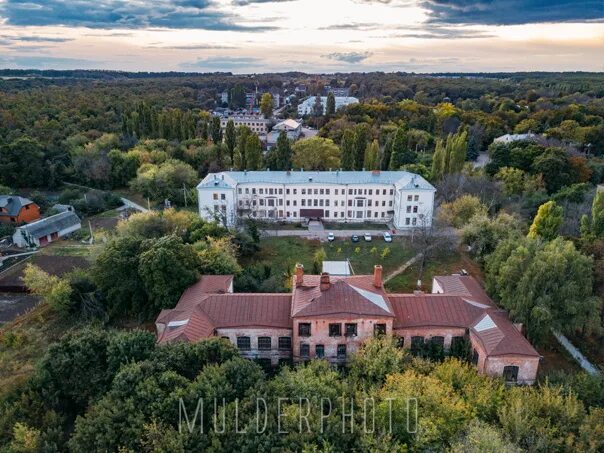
(257, 123)
(15, 209)
(404, 198)
(47, 230)
(307, 106)
(300, 90)
(277, 98)
(510, 138)
(337, 91)
(291, 127)
(224, 97)
(329, 317)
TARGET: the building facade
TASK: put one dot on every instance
(400, 197)
(46, 230)
(328, 317)
(257, 123)
(307, 106)
(17, 210)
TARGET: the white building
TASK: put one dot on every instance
(404, 198)
(47, 230)
(292, 128)
(257, 123)
(306, 107)
(510, 138)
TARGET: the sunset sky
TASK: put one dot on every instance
(245, 36)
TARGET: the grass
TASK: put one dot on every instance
(72, 248)
(282, 253)
(24, 341)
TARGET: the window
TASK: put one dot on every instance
(409, 197)
(391, 191)
(475, 357)
(360, 203)
(295, 191)
(303, 191)
(286, 191)
(215, 196)
(304, 350)
(510, 373)
(244, 343)
(303, 202)
(416, 198)
(341, 351)
(264, 343)
(407, 221)
(370, 192)
(316, 191)
(457, 344)
(349, 191)
(321, 192)
(351, 330)
(327, 191)
(319, 351)
(270, 191)
(247, 190)
(379, 330)
(285, 343)
(304, 329)
(336, 191)
(438, 341)
(261, 191)
(239, 191)
(281, 191)
(335, 330)
(384, 192)
(416, 343)
(400, 342)
(408, 208)
(415, 209)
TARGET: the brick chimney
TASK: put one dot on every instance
(324, 286)
(375, 172)
(377, 276)
(299, 274)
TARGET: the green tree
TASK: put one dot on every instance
(361, 136)
(253, 149)
(22, 163)
(317, 262)
(237, 97)
(230, 139)
(283, 152)
(266, 105)
(483, 234)
(378, 358)
(330, 106)
(513, 180)
(449, 156)
(348, 150)
(167, 267)
(317, 109)
(217, 256)
(372, 156)
(597, 214)
(316, 153)
(53, 290)
(243, 133)
(461, 210)
(561, 300)
(215, 130)
(401, 154)
(546, 224)
(553, 164)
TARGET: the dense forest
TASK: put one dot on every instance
(521, 210)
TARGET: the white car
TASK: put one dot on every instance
(387, 237)
(367, 237)
(331, 237)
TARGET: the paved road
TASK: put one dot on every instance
(131, 204)
(377, 234)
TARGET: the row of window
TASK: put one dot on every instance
(320, 351)
(335, 329)
(244, 343)
(316, 203)
(326, 214)
(316, 191)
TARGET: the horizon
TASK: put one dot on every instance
(277, 36)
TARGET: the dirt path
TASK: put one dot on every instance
(402, 268)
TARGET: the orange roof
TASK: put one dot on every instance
(354, 295)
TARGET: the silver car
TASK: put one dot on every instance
(387, 237)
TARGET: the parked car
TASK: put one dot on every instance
(367, 237)
(331, 237)
(387, 237)
(354, 238)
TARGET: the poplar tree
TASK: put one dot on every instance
(360, 143)
(330, 107)
(348, 150)
(230, 138)
(401, 154)
(547, 222)
(371, 155)
(253, 152)
(215, 131)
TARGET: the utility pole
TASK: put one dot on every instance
(91, 235)
(184, 192)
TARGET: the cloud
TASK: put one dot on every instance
(192, 47)
(354, 26)
(348, 57)
(116, 14)
(512, 12)
(47, 62)
(251, 2)
(222, 63)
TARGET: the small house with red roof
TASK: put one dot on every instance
(330, 317)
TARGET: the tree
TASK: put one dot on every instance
(253, 149)
(54, 291)
(481, 437)
(513, 180)
(461, 210)
(545, 285)
(554, 166)
(317, 262)
(266, 105)
(283, 152)
(123, 167)
(166, 180)
(317, 109)
(243, 133)
(330, 106)
(230, 139)
(167, 267)
(360, 143)
(237, 97)
(215, 130)
(546, 224)
(597, 214)
(483, 234)
(372, 156)
(217, 256)
(348, 150)
(449, 156)
(116, 273)
(22, 163)
(401, 154)
(378, 358)
(316, 153)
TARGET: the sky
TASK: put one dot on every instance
(252, 36)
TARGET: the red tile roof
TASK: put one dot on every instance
(353, 295)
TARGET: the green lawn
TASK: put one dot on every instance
(441, 264)
(282, 253)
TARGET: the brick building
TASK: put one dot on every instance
(17, 210)
(330, 317)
